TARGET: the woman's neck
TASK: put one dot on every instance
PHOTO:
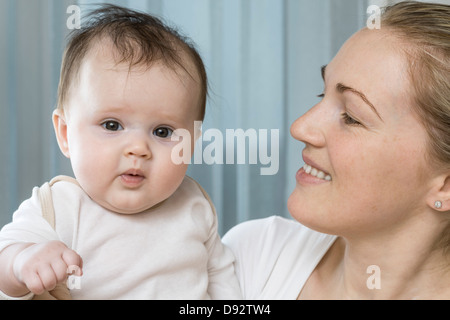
(388, 273)
(402, 266)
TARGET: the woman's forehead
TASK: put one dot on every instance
(369, 62)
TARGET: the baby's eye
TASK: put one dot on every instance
(112, 125)
(163, 132)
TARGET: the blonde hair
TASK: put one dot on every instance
(425, 28)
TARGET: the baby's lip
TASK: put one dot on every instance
(132, 178)
(134, 172)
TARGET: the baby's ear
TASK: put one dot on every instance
(60, 126)
(197, 130)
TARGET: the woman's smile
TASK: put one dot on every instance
(311, 175)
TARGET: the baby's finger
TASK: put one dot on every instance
(60, 269)
(34, 284)
(74, 262)
(48, 277)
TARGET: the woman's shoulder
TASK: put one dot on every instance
(275, 256)
(271, 231)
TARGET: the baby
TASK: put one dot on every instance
(131, 223)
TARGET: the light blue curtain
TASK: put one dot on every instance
(263, 58)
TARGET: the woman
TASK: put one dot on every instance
(373, 199)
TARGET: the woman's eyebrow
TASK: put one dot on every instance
(341, 88)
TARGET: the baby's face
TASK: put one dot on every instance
(116, 130)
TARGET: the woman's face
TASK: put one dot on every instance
(367, 142)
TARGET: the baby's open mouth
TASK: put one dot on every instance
(132, 177)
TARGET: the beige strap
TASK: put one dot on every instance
(64, 178)
(61, 292)
(205, 194)
(45, 197)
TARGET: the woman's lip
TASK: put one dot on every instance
(304, 178)
(311, 163)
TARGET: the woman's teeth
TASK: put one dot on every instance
(316, 173)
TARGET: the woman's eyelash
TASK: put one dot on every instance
(348, 120)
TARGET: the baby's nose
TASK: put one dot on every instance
(138, 148)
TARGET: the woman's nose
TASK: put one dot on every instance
(309, 128)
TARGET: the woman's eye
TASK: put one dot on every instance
(111, 125)
(348, 120)
(163, 132)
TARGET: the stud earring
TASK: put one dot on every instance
(438, 204)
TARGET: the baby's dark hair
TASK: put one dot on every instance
(138, 38)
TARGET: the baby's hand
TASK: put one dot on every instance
(40, 267)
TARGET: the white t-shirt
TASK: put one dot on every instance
(172, 251)
(275, 256)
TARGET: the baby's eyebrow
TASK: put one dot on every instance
(341, 88)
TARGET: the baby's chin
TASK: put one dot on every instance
(130, 209)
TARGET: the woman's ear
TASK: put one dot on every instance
(60, 126)
(440, 199)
